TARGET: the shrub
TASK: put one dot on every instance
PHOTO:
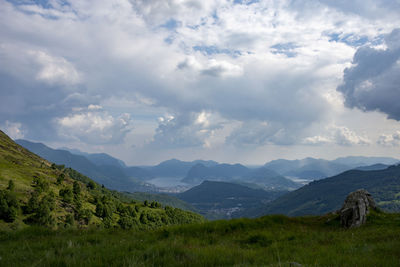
(8, 206)
(77, 188)
(66, 194)
(11, 185)
(40, 184)
(91, 185)
(126, 222)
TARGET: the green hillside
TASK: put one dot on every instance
(113, 176)
(164, 199)
(320, 197)
(35, 192)
(223, 200)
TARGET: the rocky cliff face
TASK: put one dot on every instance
(355, 208)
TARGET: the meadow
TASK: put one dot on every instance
(273, 240)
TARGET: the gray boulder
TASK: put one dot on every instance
(355, 208)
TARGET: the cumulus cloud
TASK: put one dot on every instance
(259, 133)
(389, 139)
(13, 129)
(221, 69)
(373, 82)
(55, 69)
(338, 135)
(94, 126)
(262, 67)
(186, 130)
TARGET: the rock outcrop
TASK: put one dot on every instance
(355, 208)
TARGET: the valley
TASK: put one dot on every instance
(279, 180)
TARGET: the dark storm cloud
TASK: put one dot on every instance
(35, 105)
(373, 83)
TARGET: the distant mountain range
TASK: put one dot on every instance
(222, 200)
(112, 176)
(247, 188)
(96, 158)
(328, 194)
(237, 173)
(314, 169)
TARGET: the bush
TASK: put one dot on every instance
(11, 185)
(8, 206)
(41, 210)
(69, 220)
(91, 185)
(66, 194)
(77, 188)
(40, 184)
(33, 203)
(60, 178)
(126, 222)
(84, 216)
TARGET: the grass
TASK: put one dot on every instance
(267, 241)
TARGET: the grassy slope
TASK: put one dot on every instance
(267, 241)
(20, 165)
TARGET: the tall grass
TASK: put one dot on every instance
(267, 241)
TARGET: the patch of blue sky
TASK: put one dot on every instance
(45, 4)
(42, 3)
(245, 2)
(170, 39)
(211, 50)
(287, 49)
(349, 39)
(171, 24)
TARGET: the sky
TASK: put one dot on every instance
(233, 81)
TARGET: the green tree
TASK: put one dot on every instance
(77, 188)
(126, 222)
(91, 185)
(33, 203)
(8, 206)
(60, 178)
(11, 185)
(84, 216)
(66, 194)
(40, 184)
(69, 220)
(99, 209)
(143, 218)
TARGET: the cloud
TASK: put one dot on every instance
(94, 126)
(259, 133)
(186, 130)
(13, 129)
(254, 73)
(221, 69)
(389, 139)
(373, 82)
(55, 69)
(338, 135)
(373, 9)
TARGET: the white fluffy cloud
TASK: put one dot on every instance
(187, 130)
(94, 126)
(55, 69)
(389, 139)
(13, 129)
(338, 135)
(255, 72)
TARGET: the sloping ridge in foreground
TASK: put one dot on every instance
(323, 196)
